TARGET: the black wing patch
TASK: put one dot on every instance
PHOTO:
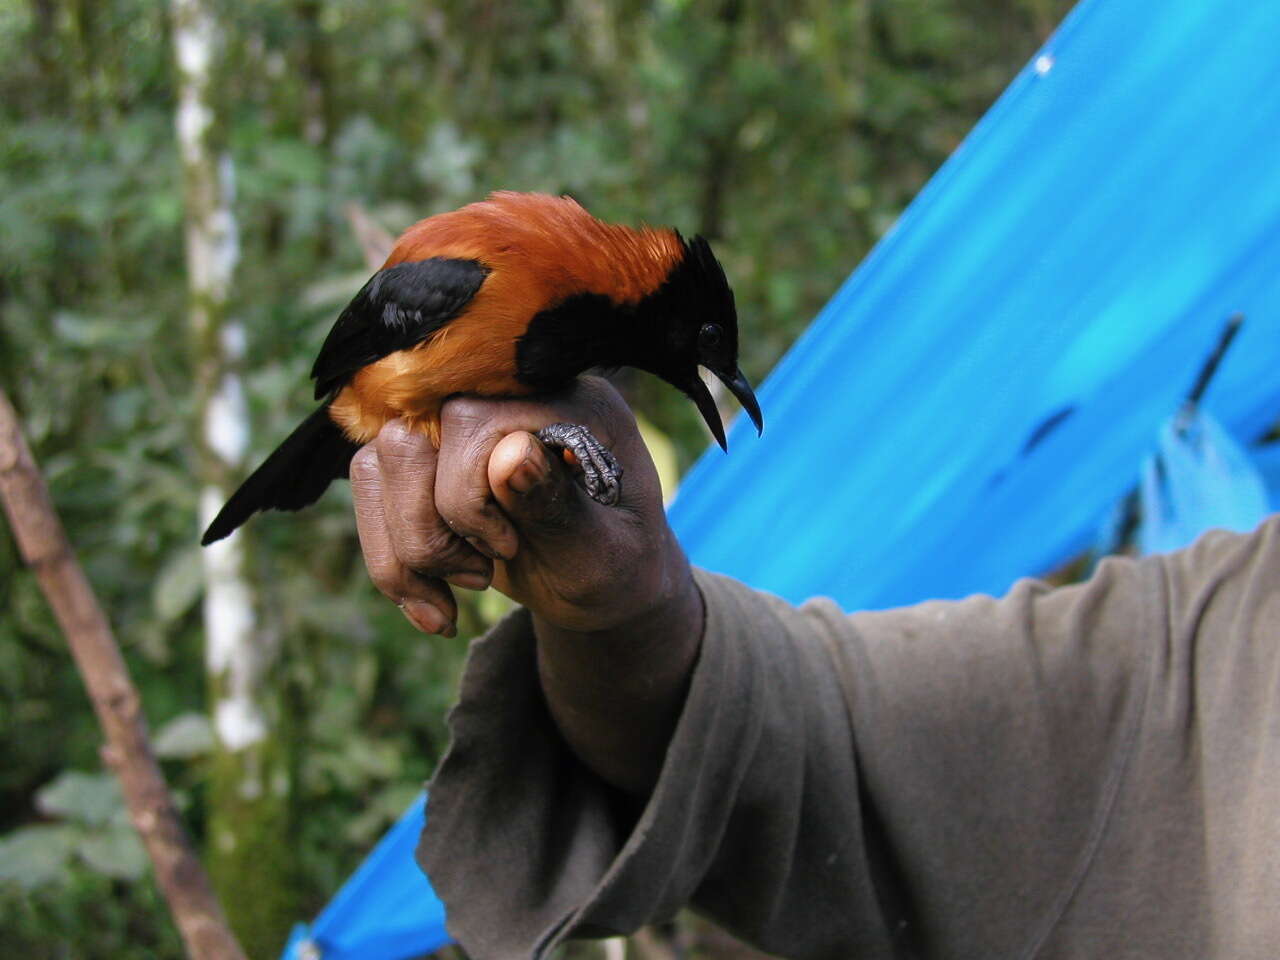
(399, 307)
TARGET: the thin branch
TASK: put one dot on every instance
(375, 242)
(45, 548)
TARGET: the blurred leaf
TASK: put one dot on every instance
(97, 333)
(32, 856)
(179, 585)
(116, 853)
(185, 736)
(448, 161)
(89, 798)
(356, 763)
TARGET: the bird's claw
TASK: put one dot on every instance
(601, 472)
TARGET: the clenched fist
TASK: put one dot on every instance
(615, 610)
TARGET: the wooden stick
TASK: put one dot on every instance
(45, 548)
(375, 242)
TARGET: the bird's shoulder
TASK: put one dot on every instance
(399, 306)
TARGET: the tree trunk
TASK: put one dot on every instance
(249, 853)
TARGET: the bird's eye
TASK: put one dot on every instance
(710, 335)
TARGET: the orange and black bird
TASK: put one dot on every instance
(512, 296)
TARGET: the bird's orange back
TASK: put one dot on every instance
(558, 247)
(540, 250)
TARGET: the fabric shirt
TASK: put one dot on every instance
(1087, 771)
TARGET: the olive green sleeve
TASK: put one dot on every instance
(954, 779)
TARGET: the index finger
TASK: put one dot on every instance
(426, 602)
(422, 540)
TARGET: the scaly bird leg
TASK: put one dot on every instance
(601, 471)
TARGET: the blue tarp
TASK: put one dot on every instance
(979, 394)
(386, 911)
(1267, 460)
(1197, 479)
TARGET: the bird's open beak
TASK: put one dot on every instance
(740, 388)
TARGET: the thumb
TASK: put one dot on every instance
(534, 489)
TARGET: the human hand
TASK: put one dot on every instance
(492, 505)
(617, 615)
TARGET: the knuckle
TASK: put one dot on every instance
(462, 495)
(420, 555)
(399, 441)
(464, 413)
(364, 465)
(464, 510)
(409, 493)
(428, 553)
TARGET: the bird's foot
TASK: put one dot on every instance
(601, 471)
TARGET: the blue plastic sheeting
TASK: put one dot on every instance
(1267, 461)
(1198, 479)
(386, 911)
(980, 392)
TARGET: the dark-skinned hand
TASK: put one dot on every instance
(615, 610)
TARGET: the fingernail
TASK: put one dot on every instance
(468, 580)
(481, 546)
(427, 618)
(532, 471)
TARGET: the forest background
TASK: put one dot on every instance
(792, 134)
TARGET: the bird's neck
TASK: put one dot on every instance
(584, 331)
(619, 323)
(624, 264)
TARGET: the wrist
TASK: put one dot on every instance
(616, 692)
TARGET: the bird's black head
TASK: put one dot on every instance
(687, 321)
(690, 322)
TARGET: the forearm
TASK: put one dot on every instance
(616, 694)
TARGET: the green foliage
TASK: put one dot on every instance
(86, 916)
(791, 134)
(94, 832)
(85, 875)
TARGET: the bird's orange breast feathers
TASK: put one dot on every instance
(539, 251)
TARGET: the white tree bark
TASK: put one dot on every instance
(248, 799)
(233, 653)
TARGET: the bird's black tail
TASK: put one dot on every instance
(293, 476)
